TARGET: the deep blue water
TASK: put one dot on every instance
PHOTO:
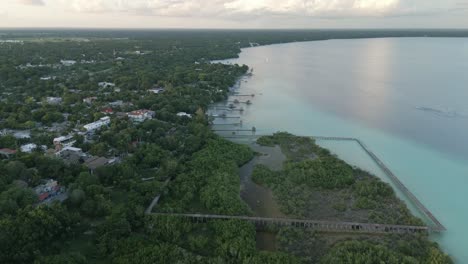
(406, 98)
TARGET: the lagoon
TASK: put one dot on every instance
(405, 98)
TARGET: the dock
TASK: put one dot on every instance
(322, 226)
(438, 225)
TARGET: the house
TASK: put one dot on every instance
(63, 142)
(89, 100)
(68, 62)
(7, 153)
(71, 155)
(106, 84)
(54, 100)
(182, 114)
(141, 115)
(94, 162)
(29, 148)
(49, 189)
(116, 103)
(107, 111)
(156, 90)
(25, 134)
(104, 121)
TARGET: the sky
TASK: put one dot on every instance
(235, 13)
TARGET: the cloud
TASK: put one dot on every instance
(32, 2)
(241, 9)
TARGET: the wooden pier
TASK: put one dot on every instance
(322, 226)
(156, 199)
(438, 225)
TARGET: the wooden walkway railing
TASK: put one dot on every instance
(323, 226)
(438, 227)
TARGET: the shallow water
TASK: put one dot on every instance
(406, 99)
(261, 199)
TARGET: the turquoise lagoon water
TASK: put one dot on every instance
(406, 99)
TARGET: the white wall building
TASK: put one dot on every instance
(104, 121)
(106, 84)
(54, 100)
(181, 114)
(68, 62)
(63, 142)
(156, 90)
(28, 148)
(141, 115)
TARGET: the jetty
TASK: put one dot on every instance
(155, 201)
(438, 225)
(322, 226)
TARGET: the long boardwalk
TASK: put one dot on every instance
(156, 199)
(323, 226)
(438, 226)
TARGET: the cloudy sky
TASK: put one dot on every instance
(235, 13)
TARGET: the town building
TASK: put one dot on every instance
(49, 189)
(7, 153)
(63, 142)
(182, 114)
(104, 121)
(116, 103)
(107, 111)
(71, 155)
(106, 84)
(89, 100)
(156, 90)
(139, 116)
(68, 62)
(22, 134)
(54, 100)
(94, 162)
(29, 148)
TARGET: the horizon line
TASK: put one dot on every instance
(227, 28)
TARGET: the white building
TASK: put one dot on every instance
(181, 114)
(26, 134)
(156, 90)
(63, 142)
(54, 100)
(89, 100)
(104, 121)
(66, 151)
(28, 148)
(106, 84)
(68, 62)
(141, 115)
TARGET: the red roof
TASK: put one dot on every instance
(108, 110)
(43, 196)
(7, 151)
